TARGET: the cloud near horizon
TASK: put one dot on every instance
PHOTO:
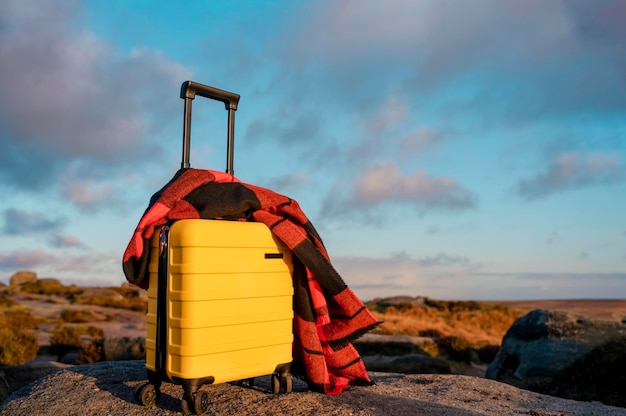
(401, 274)
(59, 265)
(25, 260)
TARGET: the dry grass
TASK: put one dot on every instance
(53, 291)
(462, 332)
(86, 339)
(49, 287)
(21, 319)
(17, 343)
(20, 327)
(479, 325)
(6, 302)
(128, 300)
(78, 316)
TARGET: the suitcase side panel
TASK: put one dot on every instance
(229, 306)
(151, 316)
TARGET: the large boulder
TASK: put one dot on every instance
(45, 286)
(407, 364)
(4, 387)
(22, 277)
(17, 376)
(123, 348)
(564, 354)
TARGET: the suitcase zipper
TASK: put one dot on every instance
(161, 321)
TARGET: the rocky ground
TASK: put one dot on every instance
(107, 389)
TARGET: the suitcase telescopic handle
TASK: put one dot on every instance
(188, 92)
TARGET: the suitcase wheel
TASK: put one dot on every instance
(283, 381)
(195, 403)
(147, 394)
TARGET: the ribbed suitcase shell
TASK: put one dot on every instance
(229, 306)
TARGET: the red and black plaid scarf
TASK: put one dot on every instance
(328, 315)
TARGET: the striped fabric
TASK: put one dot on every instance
(328, 315)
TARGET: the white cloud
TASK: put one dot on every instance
(513, 53)
(573, 171)
(25, 260)
(443, 259)
(45, 227)
(379, 130)
(385, 184)
(67, 94)
(420, 140)
(437, 34)
(401, 274)
(445, 276)
(88, 267)
(86, 194)
(66, 241)
(394, 111)
(289, 182)
(21, 222)
(433, 230)
(300, 128)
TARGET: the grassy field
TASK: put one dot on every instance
(469, 330)
(46, 313)
(50, 311)
(479, 324)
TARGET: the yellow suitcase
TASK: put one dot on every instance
(220, 296)
(220, 307)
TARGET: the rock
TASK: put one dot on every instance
(46, 286)
(141, 293)
(551, 352)
(123, 348)
(400, 354)
(600, 375)
(107, 388)
(99, 292)
(4, 387)
(374, 344)
(397, 301)
(407, 364)
(22, 277)
(71, 356)
(17, 376)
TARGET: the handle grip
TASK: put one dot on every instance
(188, 92)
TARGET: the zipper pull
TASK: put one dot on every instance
(163, 240)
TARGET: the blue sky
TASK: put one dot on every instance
(456, 150)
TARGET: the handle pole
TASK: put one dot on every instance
(186, 134)
(188, 92)
(230, 144)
